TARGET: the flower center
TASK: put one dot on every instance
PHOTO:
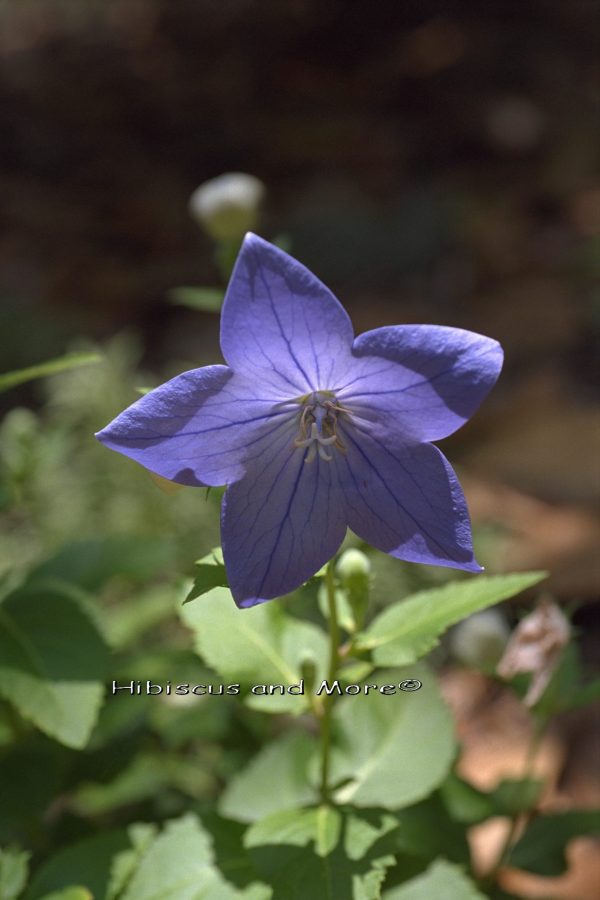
(318, 425)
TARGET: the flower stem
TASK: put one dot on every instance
(334, 657)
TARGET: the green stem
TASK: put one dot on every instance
(334, 658)
(532, 750)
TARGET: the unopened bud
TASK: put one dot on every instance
(308, 670)
(354, 570)
(480, 640)
(353, 566)
(227, 206)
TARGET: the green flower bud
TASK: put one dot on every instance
(353, 569)
(308, 670)
(227, 206)
(353, 566)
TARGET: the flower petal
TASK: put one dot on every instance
(198, 428)
(422, 380)
(405, 500)
(280, 523)
(280, 323)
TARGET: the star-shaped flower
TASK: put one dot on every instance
(313, 431)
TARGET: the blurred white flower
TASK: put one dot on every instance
(515, 124)
(480, 639)
(227, 206)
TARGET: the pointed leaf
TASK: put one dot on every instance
(408, 630)
(210, 573)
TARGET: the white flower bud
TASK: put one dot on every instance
(480, 640)
(227, 206)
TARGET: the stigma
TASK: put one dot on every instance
(318, 426)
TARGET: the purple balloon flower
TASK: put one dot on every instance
(313, 431)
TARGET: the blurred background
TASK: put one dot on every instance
(432, 162)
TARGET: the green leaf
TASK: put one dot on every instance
(258, 646)
(146, 776)
(322, 853)
(516, 795)
(92, 563)
(393, 749)
(9, 725)
(177, 864)
(542, 848)
(51, 367)
(322, 825)
(464, 802)
(210, 573)
(86, 862)
(567, 689)
(124, 864)
(203, 299)
(13, 872)
(32, 773)
(426, 832)
(70, 893)
(442, 879)
(584, 694)
(510, 797)
(232, 858)
(408, 630)
(52, 661)
(123, 623)
(276, 778)
(344, 610)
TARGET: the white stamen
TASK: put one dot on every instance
(321, 416)
(323, 453)
(312, 452)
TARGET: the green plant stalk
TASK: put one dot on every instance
(334, 658)
(50, 367)
(539, 730)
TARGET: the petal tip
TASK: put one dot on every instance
(249, 602)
